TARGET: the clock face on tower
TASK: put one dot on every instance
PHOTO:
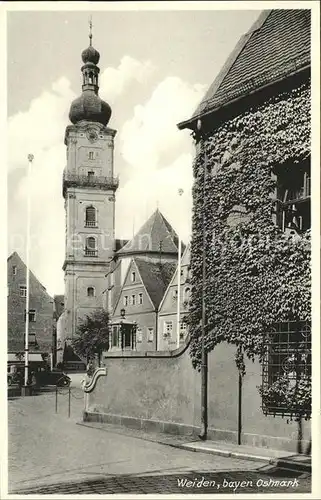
(92, 135)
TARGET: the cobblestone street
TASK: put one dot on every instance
(50, 453)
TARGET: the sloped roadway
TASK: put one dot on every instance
(50, 454)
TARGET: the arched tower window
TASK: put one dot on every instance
(91, 217)
(91, 247)
(90, 291)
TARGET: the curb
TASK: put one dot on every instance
(281, 463)
(223, 453)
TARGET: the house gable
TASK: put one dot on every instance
(131, 288)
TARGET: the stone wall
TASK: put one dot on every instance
(161, 391)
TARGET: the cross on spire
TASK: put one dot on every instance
(90, 29)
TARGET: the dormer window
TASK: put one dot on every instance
(293, 205)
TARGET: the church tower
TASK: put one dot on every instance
(89, 189)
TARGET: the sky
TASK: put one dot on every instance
(155, 67)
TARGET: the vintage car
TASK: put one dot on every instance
(54, 377)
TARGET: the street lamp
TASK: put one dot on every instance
(180, 192)
(26, 377)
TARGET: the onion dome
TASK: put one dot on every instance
(90, 55)
(91, 108)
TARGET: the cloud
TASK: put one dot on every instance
(144, 192)
(151, 138)
(159, 157)
(115, 81)
(42, 125)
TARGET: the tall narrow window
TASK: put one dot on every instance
(187, 293)
(90, 291)
(91, 220)
(182, 330)
(168, 328)
(115, 337)
(125, 301)
(140, 298)
(133, 276)
(133, 300)
(14, 270)
(91, 249)
(293, 210)
(150, 334)
(139, 334)
(32, 315)
(91, 155)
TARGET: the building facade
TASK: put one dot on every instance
(167, 316)
(41, 310)
(143, 268)
(252, 209)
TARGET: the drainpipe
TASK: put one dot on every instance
(204, 363)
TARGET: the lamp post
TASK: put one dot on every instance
(204, 364)
(180, 192)
(26, 377)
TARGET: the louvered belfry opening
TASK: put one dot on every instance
(91, 217)
(91, 248)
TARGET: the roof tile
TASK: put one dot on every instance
(276, 45)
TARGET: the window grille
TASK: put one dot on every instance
(286, 363)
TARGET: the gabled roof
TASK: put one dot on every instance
(155, 277)
(156, 235)
(16, 257)
(277, 45)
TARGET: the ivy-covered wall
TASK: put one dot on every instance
(255, 274)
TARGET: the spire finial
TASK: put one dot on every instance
(90, 29)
